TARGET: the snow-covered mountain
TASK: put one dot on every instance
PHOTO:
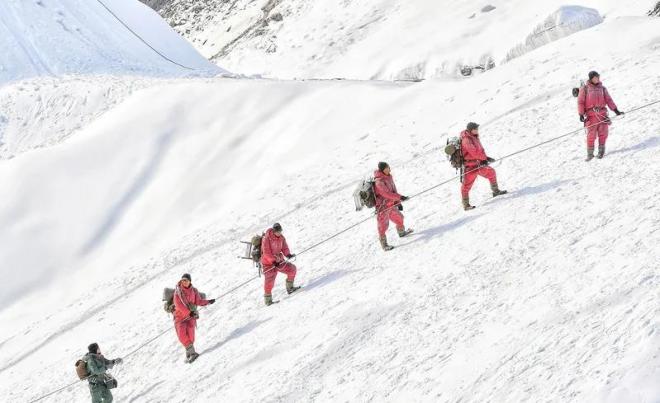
(547, 294)
(57, 37)
(115, 44)
(374, 39)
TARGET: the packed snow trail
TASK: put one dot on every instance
(335, 235)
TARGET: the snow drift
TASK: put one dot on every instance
(57, 37)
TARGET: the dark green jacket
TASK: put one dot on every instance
(97, 365)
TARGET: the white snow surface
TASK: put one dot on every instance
(367, 39)
(566, 21)
(44, 111)
(58, 37)
(550, 293)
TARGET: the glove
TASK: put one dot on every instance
(404, 198)
(290, 255)
(117, 361)
(211, 301)
(484, 163)
(618, 112)
(490, 159)
(400, 207)
(582, 118)
(194, 314)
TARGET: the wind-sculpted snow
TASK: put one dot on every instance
(58, 37)
(564, 22)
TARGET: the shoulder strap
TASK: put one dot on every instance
(179, 293)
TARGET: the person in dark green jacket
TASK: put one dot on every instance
(98, 379)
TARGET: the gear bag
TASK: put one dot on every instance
(81, 369)
(255, 251)
(364, 195)
(576, 90)
(453, 151)
(109, 381)
(168, 297)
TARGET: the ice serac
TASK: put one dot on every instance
(59, 37)
(565, 21)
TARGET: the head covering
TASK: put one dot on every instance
(187, 277)
(382, 165)
(277, 227)
(471, 126)
(93, 348)
(593, 74)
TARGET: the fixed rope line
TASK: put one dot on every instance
(244, 283)
(142, 39)
(55, 391)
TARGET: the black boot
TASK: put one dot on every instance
(496, 190)
(268, 299)
(191, 355)
(290, 288)
(404, 232)
(601, 152)
(590, 154)
(384, 245)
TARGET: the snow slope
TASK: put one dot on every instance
(44, 111)
(57, 37)
(65, 62)
(369, 39)
(547, 294)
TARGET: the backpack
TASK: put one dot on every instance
(576, 90)
(453, 151)
(255, 251)
(168, 297)
(81, 369)
(364, 195)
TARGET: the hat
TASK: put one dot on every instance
(93, 348)
(382, 165)
(471, 126)
(593, 74)
(186, 276)
(277, 227)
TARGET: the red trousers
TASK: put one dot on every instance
(271, 272)
(384, 217)
(185, 331)
(471, 175)
(601, 131)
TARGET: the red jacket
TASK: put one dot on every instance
(273, 248)
(594, 96)
(473, 151)
(184, 301)
(385, 191)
